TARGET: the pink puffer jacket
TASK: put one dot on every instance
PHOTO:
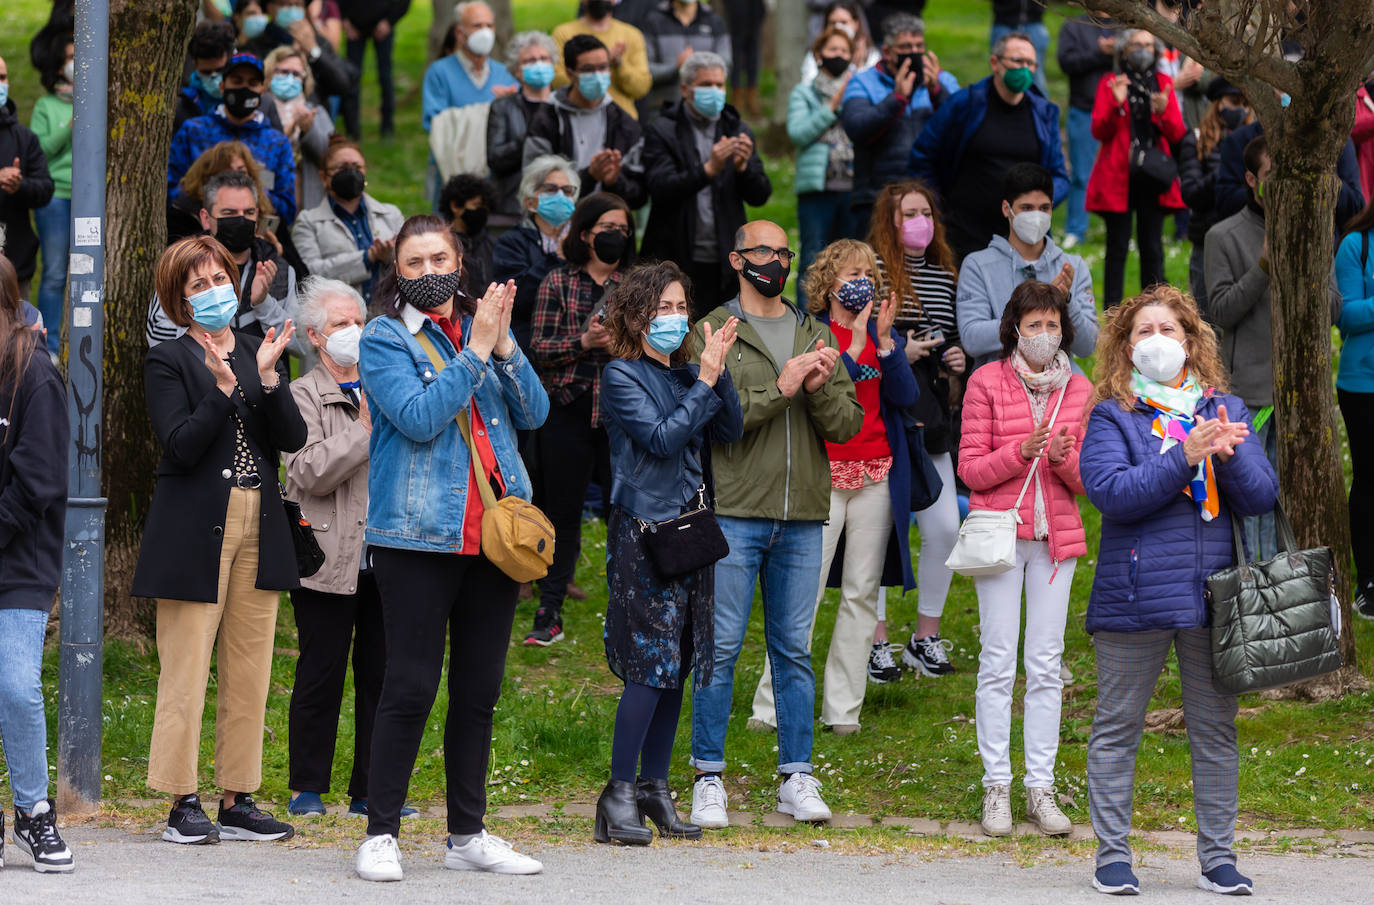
(997, 417)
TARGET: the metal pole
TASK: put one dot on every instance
(83, 561)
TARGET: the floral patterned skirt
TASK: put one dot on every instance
(657, 630)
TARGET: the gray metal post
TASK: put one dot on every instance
(83, 561)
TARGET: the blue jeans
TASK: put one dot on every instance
(1261, 531)
(54, 222)
(1039, 34)
(822, 218)
(23, 728)
(785, 558)
(1082, 154)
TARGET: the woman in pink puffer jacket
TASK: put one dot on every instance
(1010, 421)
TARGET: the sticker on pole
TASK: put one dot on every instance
(87, 231)
(82, 264)
(81, 317)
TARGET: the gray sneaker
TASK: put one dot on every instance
(1042, 811)
(997, 811)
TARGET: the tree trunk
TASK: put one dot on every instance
(505, 26)
(439, 26)
(147, 47)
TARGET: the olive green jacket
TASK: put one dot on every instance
(779, 468)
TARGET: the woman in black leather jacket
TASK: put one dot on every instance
(659, 411)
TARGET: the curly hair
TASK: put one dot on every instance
(1113, 370)
(821, 275)
(462, 187)
(885, 237)
(633, 305)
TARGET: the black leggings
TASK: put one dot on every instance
(1358, 411)
(572, 454)
(746, 42)
(423, 595)
(1149, 236)
(645, 727)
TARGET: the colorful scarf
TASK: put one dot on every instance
(1177, 408)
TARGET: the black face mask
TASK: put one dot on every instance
(474, 218)
(241, 102)
(347, 184)
(235, 233)
(610, 246)
(599, 9)
(834, 65)
(768, 279)
(429, 291)
(1233, 117)
(917, 65)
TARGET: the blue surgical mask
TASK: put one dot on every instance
(288, 16)
(555, 207)
(537, 75)
(254, 25)
(208, 86)
(666, 332)
(215, 307)
(708, 101)
(4, 93)
(286, 86)
(593, 85)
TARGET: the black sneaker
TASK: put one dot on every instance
(548, 627)
(881, 667)
(1364, 603)
(36, 833)
(245, 823)
(930, 655)
(189, 824)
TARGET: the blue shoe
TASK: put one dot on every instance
(1225, 880)
(306, 804)
(1116, 879)
(358, 808)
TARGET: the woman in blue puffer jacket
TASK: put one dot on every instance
(1165, 459)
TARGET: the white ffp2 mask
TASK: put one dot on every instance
(1159, 357)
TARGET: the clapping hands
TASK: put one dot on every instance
(1217, 436)
(491, 322)
(713, 355)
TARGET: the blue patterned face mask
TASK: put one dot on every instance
(855, 294)
(666, 332)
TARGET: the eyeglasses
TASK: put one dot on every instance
(549, 188)
(762, 254)
(1019, 62)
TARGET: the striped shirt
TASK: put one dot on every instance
(932, 302)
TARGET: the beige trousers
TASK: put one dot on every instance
(244, 619)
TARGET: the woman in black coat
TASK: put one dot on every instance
(217, 548)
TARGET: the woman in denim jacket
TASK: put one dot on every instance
(660, 412)
(424, 531)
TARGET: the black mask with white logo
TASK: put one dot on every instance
(768, 278)
(241, 102)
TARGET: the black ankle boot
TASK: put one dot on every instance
(618, 817)
(656, 803)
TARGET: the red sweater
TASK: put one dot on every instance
(871, 440)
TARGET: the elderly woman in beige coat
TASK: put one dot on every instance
(338, 607)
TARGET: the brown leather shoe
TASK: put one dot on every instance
(574, 592)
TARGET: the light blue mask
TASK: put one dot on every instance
(254, 25)
(537, 75)
(708, 101)
(288, 16)
(555, 208)
(4, 93)
(215, 307)
(593, 85)
(286, 86)
(666, 332)
(210, 87)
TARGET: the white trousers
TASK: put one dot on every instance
(999, 611)
(939, 527)
(865, 518)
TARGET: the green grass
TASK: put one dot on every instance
(1302, 765)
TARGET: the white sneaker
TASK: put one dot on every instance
(997, 811)
(800, 796)
(709, 803)
(379, 859)
(1042, 811)
(489, 853)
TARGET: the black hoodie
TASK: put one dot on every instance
(17, 142)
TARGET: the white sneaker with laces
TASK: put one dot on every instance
(379, 859)
(489, 853)
(997, 811)
(709, 803)
(800, 796)
(1043, 811)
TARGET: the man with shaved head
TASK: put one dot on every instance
(772, 490)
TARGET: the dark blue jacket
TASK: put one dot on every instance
(519, 255)
(940, 147)
(897, 394)
(1231, 190)
(653, 431)
(1156, 551)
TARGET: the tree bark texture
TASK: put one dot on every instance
(147, 46)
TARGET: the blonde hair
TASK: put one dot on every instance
(216, 159)
(1113, 370)
(820, 276)
(288, 52)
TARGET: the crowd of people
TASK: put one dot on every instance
(587, 319)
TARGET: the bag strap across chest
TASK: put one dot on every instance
(464, 427)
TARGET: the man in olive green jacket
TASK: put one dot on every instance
(772, 494)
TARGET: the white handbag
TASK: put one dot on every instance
(987, 538)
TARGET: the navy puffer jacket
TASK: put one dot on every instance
(1156, 551)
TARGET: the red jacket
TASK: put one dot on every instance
(1363, 136)
(997, 417)
(1109, 184)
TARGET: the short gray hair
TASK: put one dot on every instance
(227, 179)
(313, 294)
(701, 59)
(464, 7)
(899, 24)
(1000, 47)
(521, 43)
(538, 169)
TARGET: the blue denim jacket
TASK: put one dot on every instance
(418, 474)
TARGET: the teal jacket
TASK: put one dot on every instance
(1355, 281)
(808, 116)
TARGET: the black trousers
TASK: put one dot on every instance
(1149, 237)
(709, 281)
(1358, 411)
(352, 103)
(328, 625)
(572, 454)
(426, 596)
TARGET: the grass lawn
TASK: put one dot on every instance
(1302, 765)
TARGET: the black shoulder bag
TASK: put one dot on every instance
(693, 540)
(309, 556)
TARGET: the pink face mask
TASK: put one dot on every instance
(917, 233)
